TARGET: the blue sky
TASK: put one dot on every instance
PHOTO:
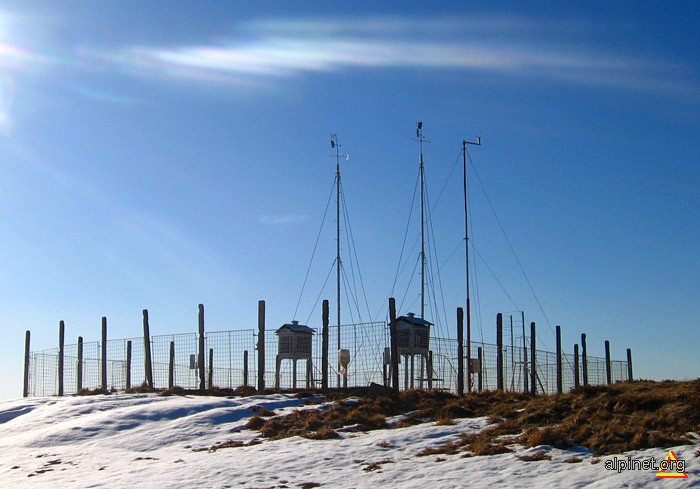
(160, 155)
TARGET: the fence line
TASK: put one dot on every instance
(225, 352)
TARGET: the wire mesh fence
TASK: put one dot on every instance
(231, 360)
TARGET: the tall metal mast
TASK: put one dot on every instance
(334, 144)
(466, 247)
(419, 135)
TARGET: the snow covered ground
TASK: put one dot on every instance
(147, 441)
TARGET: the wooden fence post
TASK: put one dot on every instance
(61, 337)
(629, 365)
(261, 345)
(245, 368)
(171, 366)
(148, 364)
(394, 345)
(324, 347)
(608, 371)
(560, 386)
(499, 348)
(79, 368)
(27, 353)
(460, 351)
(533, 360)
(202, 373)
(128, 364)
(104, 354)
(480, 370)
(430, 370)
(584, 359)
(211, 367)
(576, 373)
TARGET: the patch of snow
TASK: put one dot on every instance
(143, 440)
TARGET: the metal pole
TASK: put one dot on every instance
(422, 225)
(334, 144)
(466, 261)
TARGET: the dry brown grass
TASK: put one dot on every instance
(604, 419)
(228, 444)
(93, 392)
(377, 465)
(535, 457)
(323, 433)
(140, 389)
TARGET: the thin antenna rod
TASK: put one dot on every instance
(466, 248)
(419, 135)
(334, 144)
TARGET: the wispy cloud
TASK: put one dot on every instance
(506, 46)
(283, 219)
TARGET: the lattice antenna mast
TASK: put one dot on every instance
(335, 145)
(421, 139)
(466, 247)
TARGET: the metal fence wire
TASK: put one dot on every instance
(231, 360)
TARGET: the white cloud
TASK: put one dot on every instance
(502, 45)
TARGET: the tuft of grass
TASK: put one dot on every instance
(140, 389)
(572, 460)
(228, 444)
(255, 423)
(93, 392)
(263, 411)
(551, 435)
(377, 465)
(486, 447)
(324, 433)
(535, 457)
(385, 444)
(175, 391)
